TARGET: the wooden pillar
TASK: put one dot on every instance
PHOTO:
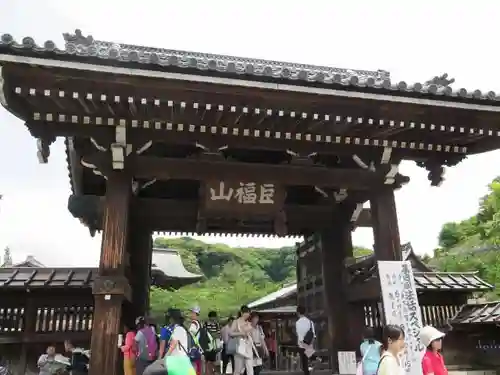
(29, 331)
(140, 251)
(385, 225)
(336, 245)
(356, 325)
(111, 286)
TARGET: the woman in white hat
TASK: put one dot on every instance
(432, 362)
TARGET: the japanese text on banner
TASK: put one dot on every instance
(401, 308)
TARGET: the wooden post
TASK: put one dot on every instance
(29, 330)
(336, 245)
(140, 251)
(111, 286)
(385, 225)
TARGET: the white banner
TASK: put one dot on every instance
(401, 308)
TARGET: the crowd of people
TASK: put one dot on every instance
(192, 347)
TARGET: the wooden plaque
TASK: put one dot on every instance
(243, 197)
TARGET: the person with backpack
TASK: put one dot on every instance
(178, 352)
(209, 340)
(371, 351)
(306, 334)
(146, 345)
(194, 330)
(165, 334)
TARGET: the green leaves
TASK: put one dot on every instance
(232, 276)
(473, 244)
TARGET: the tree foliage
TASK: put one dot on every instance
(231, 276)
(473, 244)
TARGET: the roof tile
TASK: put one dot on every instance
(88, 49)
(478, 314)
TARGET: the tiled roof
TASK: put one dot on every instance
(424, 281)
(29, 277)
(86, 49)
(167, 267)
(478, 313)
(169, 262)
(279, 294)
(450, 281)
(279, 310)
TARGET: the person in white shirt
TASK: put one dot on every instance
(306, 349)
(393, 343)
(179, 339)
(177, 346)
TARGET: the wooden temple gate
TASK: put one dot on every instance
(164, 140)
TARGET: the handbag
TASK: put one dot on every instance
(238, 345)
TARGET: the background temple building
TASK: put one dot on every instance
(40, 305)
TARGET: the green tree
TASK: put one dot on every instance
(473, 244)
(231, 276)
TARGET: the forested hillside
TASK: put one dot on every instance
(473, 244)
(232, 276)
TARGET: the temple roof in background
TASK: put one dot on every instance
(167, 270)
(364, 268)
(481, 313)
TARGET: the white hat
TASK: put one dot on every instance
(428, 334)
(196, 310)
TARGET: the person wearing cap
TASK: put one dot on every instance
(432, 362)
(194, 330)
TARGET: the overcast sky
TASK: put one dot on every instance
(413, 39)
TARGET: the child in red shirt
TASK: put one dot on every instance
(432, 362)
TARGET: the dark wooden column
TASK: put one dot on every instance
(336, 245)
(385, 225)
(111, 286)
(29, 330)
(140, 250)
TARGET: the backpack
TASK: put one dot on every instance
(205, 339)
(151, 345)
(309, 336)
(193, 350)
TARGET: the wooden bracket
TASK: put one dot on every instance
(112, 286)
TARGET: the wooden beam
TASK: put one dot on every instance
(202, 169)
(155, 213)
(52, 337)
(366, 291)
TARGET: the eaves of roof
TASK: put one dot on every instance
(87, 50)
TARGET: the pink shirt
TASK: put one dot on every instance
(433, 363)
(128, 348)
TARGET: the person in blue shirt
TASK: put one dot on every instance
(370, 352)
(165, 334)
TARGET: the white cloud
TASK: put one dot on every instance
(414, 40)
